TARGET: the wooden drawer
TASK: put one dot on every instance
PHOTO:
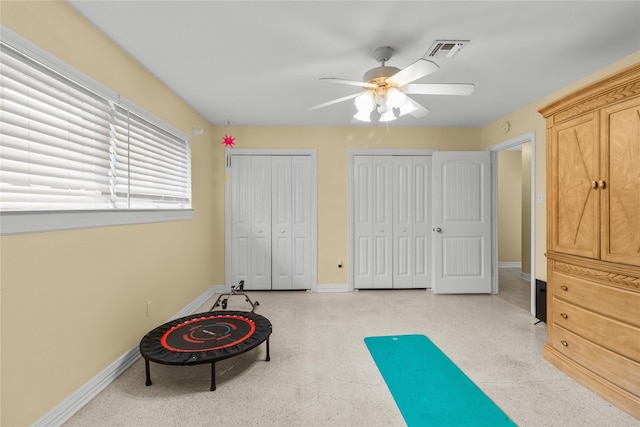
(612, 334)
(620, 304)
(617, 369)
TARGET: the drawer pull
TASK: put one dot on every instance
(564, 288)
(564, 315)
(564, 343)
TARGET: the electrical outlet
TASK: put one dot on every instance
(149, 308)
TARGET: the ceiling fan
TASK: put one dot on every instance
(387, 89)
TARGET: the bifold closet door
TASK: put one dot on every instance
(291, 224)
(271, 221)
(373, 222)
(392, 221)
(251, 222)
(411, 221)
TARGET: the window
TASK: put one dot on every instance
(70, 148)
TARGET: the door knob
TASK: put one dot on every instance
(438, 230)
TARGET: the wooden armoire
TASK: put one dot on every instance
(593, 237)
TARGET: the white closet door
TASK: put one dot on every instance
(281, 222)
(301, 222)
(291, 222)
(373, 222)
(411, 221)
(270, 218)
(260, 277)
(422, 241)
(382, 222)
(251, 229)
(403, 250)
(242, 219)
(362, 222)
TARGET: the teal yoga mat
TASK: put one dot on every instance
(429, 389)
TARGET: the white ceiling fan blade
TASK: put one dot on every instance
(350, 82)
(441, 89)
(414, 108)
(418, 69)
(333, 101)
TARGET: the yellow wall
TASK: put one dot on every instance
(85, 291)
(509, 206)
(527, 119)
(333, 145)
(75, 301)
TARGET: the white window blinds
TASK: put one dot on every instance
(66, 147)
(159, 177)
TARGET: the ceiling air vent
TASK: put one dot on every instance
(445, 48)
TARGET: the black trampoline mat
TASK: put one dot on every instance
(208, 333)
(205, 337)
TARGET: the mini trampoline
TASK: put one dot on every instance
(204, 338)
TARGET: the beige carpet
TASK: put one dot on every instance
(321, 373)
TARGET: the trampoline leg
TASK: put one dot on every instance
(213, 376)
(146, 367)
(268, 357)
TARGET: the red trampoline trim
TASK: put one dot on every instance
(163, 340)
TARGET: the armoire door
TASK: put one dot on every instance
(574, 165)
(271, 221)
(620, 195)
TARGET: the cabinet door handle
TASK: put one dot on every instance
(564, 288)
(564, 343)
(564, 315)
(594, 184)
(601, 184)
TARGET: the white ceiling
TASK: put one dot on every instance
(259, 63)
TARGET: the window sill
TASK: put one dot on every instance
(42, 221)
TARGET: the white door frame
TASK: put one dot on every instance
(505, 145)
(228, 153)
(369, 152)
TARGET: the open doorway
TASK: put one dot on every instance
(514, 224)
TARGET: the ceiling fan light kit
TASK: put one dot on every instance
(387, 88)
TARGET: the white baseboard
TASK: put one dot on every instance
(525, 276)
(74, 402)
(510, 264)
(342, 287)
